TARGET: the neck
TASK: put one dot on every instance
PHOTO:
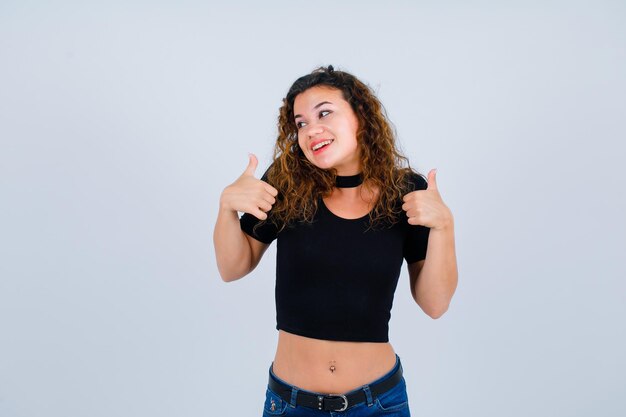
(348, 181)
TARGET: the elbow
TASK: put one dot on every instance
(433, 310)
(230, 276)
(227, 278)
(232, 270)
(436, 311)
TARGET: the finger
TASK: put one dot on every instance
(432, 180)
(412, 214)
(268, 198)
(413, 196)
(414, 221)
(265, 206)
(259, 214)
(273, 191)
(408, 196)
(252, 163)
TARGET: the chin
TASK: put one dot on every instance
(319, 164)
(325, 167)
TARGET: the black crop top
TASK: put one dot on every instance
(334, 279)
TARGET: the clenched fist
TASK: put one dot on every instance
(426, 208)
(249, 194)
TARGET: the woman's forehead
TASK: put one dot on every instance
(315, 95)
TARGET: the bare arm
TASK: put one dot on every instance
(434, 279)
(236, 253)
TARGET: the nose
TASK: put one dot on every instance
(313, 130)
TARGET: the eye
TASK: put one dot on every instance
(300, 124)
(325, 113)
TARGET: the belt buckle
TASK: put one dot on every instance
(320, 399)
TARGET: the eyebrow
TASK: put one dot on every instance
(317, 106)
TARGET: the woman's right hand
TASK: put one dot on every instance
(248, 194)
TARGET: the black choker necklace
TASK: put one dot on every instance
(349, 181)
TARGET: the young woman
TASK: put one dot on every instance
(345, 213)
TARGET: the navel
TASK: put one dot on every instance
(332, 367)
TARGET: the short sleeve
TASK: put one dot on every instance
(266, 232)
(416, 239)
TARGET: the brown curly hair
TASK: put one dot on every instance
(300, 183)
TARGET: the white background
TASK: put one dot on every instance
(121, 123)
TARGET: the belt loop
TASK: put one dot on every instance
(294, 396)
(368, 395)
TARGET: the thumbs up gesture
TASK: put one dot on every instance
(426, 208)
(249, 194)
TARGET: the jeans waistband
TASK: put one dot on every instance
(397, 365)
(366, 393)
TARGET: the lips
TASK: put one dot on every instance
(321, 144)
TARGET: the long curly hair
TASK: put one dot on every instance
(300, 183)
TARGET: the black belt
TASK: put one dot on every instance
(334, 402)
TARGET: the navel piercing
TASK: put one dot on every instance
(332, 366)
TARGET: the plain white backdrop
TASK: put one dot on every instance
(121, 123)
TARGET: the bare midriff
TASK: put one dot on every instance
(330, 367)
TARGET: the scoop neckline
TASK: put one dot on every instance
(342, 218)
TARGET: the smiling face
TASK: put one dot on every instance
(327, 128)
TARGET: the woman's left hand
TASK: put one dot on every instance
(426, 208)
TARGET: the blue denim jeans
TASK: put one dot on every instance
(393, 403)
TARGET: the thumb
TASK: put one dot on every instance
(432, 180)
(253, 162)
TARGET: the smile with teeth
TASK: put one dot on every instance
(321, 144)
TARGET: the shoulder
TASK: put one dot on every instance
(413, 180)
(269, 171)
